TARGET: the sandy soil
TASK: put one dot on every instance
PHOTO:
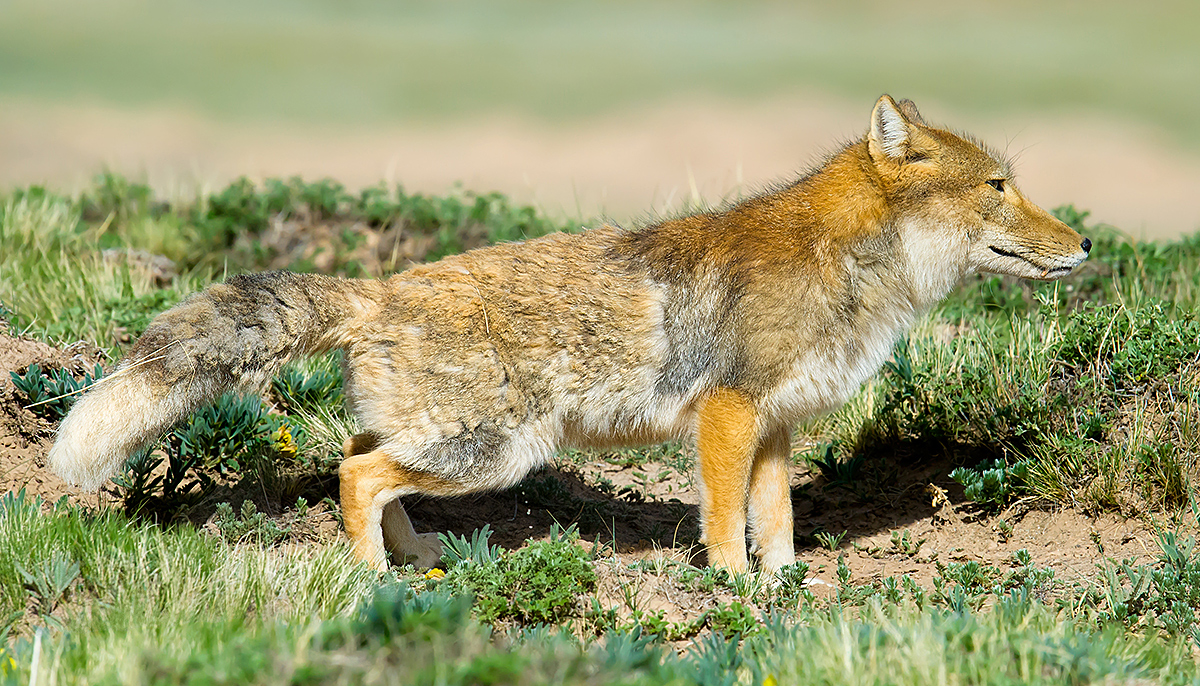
(625, 165)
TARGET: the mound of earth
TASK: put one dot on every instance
(25, 437)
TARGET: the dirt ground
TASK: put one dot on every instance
(652, 159)
(25, 437)
(647, 511)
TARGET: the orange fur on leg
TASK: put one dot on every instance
(364, 478)
(771, 502)
(726, 434)
(375, 520)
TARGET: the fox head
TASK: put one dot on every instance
(955, 202)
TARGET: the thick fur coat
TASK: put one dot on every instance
(725, 327)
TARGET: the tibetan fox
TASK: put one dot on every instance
(725, 327)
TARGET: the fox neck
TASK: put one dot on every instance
(936, 259)
(907, 251)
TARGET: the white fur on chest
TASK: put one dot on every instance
(823, 378)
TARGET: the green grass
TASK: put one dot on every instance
(1072, 405)
(1084, 393)
(1018, 642)
(142, 590)
(56, 283)
(373, 61)
(137, 604)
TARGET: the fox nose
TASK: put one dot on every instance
(1086, 245)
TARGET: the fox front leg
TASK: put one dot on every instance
(726, 434)
(771, 519)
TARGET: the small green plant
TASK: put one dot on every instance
(311, 392)
(1004, 530)
(1037, 581)
(963, 586)
(829, 541)
(49, 582)
(970, 575)
(137, 484)
(540, 582)
(251, 525)
(848, 593)
(837, 471)
(224, 435)
(654, 623)
(1164, 595)
(6, 317)
(734, 620)
(395, 611)
(704, 579)
(51, 393)
(458, 550)
(901, 365)
(903, 543)
(233, 437)
(992, 484)
(793, 583)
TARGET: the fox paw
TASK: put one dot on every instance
(426, 553)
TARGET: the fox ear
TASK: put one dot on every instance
(889, 129)
(909, 109)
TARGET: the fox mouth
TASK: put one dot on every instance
(1047, 273)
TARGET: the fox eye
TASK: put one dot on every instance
(998, 184)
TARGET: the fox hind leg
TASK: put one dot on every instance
(770, 508)
(726, 434)
(404, 543)
(376, 523)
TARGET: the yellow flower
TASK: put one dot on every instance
(284, 443)
(435, 573)
(770, 681)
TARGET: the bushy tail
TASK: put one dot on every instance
(230, 337)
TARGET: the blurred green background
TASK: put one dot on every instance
(370, 61)
(618, 108)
